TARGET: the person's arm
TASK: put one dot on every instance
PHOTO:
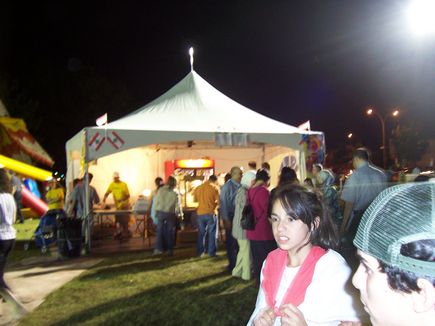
(348, 196)
(216, 200)
(108, 192)
(223, 204)
(262, 201)
(96, 198)
(178, 207)
(348, 206)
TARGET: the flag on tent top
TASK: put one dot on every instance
(101, 121)
(305, 126)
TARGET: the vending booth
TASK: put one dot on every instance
(190, 173)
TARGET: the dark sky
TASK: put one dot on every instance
(291, 60)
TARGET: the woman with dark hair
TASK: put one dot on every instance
(7, 236)
(303, 281)
(261, 238)
(287, 176)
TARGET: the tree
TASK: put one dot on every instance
(409, 142)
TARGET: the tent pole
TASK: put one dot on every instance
(263, 154)
(87, 210)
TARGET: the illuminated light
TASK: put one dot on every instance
(350, 135)
(421, 17)
(396, 113)
(190, 164)
(196, 183)
(146, 192)
(369, 111)
(191, 51)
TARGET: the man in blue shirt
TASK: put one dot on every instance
(227, 208)
(362, 187)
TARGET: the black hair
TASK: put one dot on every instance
(262, 175)
(5, 182)
(252, 165)
(302, 203)
(406, 281)
(172, 182)
(361, 153)
(158, 182)
(287, 175)
(308, 182)
(227, 177)
(212, 178)
(265, 165)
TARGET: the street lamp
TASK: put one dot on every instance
(420, 16)
(349, 135)
(370, 112)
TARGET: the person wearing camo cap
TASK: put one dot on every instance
(396, 248)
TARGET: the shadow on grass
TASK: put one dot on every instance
(149, 263)
(215, 299)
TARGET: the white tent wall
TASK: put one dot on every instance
(140, 166)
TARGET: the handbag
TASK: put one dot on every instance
(248, 219)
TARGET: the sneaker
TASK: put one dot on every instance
(203, 255)
(157, 252)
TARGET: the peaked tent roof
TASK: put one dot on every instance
(191, 110)
(195, 105)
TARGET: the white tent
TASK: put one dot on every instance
(191, 120)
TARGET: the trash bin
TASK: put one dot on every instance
(69, 237)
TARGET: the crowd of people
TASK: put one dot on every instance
(307, 237)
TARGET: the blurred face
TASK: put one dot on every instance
(53, 184)
(384, 305)
(290, 234)
(236, 175)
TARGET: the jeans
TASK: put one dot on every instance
(206, 226)
(165, 231)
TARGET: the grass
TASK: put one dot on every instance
(24, 235)
(25, 231)
(139, 289)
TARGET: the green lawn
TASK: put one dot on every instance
(24, 235)
(138, 289)
(25, 231)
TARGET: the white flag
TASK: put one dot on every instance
(305, 126)
(101, 121)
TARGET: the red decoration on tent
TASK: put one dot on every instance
(96, 141)
(115, 140)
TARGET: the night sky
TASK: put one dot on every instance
(64, 63)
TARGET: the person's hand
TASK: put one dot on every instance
(350, 323)
(292, 316)
(266, 317)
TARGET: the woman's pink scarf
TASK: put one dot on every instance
(274, 269)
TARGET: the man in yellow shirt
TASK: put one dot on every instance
(121, 196)
(207, 196)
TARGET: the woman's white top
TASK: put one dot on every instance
(8, 211)
(330, 298)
